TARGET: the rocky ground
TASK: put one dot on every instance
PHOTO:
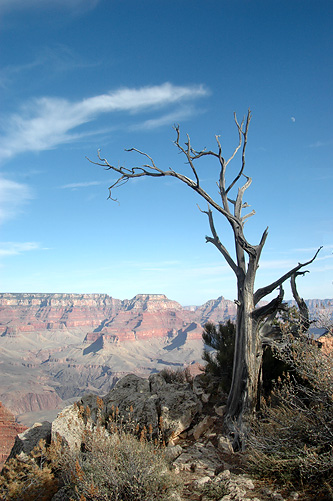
(193, 420)
(208, 467)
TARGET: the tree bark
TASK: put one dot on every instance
(253, 323)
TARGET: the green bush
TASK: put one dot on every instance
(220, 361)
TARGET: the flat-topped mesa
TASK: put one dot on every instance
(57, 300)
(28, 312)
(151, 302)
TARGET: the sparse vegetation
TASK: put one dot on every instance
(114, 464)
(289, 444)
(220, 361)
(179, 375)
(214, 491)
(28, 478)
(292, 441)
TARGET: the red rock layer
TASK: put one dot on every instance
(8, 431)
(35, 312)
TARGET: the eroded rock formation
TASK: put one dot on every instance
(55, 347)
(9, 429)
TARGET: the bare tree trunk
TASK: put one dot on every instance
(246, 370)
(254, 323)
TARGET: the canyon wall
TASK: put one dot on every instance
(9, 428)
(55, 347)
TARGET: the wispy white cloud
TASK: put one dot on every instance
(50, 60)
(175, 116)
(46, 122)
(314, 249)
(13, 196)
(75, 186)
(15, 248)
(277, 264)
(320, 144)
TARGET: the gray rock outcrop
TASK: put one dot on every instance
(25, 442)
(165, 407)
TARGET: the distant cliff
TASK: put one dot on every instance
(36, 312)
(9, 428)
(33, 312)
(59, 346)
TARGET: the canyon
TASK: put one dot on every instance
(55, 348)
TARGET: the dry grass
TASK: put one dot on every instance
(114, 464)
(292, 441)
(181, 376)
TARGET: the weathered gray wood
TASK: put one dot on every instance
(252, 324)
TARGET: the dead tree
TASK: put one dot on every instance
(254, 321)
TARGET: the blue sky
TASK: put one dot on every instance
(78, 75)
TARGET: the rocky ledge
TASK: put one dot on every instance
(187, 417)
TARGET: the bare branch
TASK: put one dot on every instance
(244, 134)
(216, 241)
(270, 308)
(264, 291)
(153, 171)
(239, 200)
(303, 309)
(187, 152)
(240, 127)
(252, 213)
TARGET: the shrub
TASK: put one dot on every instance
(214, 491)
(118, 467)
(29, 478)
(292, 440)
(109, 465)
(220, 362)
(177, 375)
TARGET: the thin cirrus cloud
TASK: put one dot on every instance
(168, 118)
(47, 122)
(75, 186)
(15, 248)
(13, 197)
(50, 60)
(321, 144)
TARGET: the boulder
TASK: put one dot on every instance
(172, 452)
(224, 444)
(177, 405)
(163, 407)
(25, 442)
(220, 409)
(203, 426)
(71, 426)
